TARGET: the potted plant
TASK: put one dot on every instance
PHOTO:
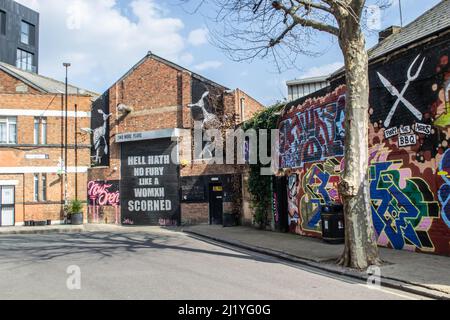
(75, 211)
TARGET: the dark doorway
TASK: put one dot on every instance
(280, 203)
(216, 203)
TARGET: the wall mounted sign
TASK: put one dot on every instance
(192, 189)
(150, 183)
(148, 135)
(407, 140)
(37, 156)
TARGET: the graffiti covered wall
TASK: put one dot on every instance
(409, 171)
(312, 145)
(313, 132)
(103, 201)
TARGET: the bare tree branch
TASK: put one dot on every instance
(305, 22)
(309, 4)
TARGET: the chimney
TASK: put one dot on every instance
(386, 33)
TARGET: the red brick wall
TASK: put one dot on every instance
(159, 95)
(15, 156)
(9, 84)
(194, 213)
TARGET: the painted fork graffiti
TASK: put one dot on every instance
(400, 95)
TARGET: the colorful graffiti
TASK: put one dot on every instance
(443, 120)
(444, 191)
(409, 144)
(293, 184)
(320, 187)
(313, 134)
(103, 194)
(403, 206)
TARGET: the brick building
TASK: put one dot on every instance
(31, 146)
(409, 139)
(143, 120)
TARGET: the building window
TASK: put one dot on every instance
(27, 33)
(2, 22)
(8, 130)
(36, 187)
(44, 187)
(25, 60)
(44, 130)
(36, 130)
(40, 130)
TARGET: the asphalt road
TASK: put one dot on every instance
(160, 264)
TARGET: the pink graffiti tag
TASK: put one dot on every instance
(100, 192)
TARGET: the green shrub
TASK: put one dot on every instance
(75, 206)
(259, 186)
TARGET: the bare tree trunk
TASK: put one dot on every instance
(361, 249)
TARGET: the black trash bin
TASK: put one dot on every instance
(333, 224)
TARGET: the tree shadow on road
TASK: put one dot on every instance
(102, 245)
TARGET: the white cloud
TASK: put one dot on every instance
(186, 58)
(323, 70)
(100, 41)
(198, 37)
(213, 64)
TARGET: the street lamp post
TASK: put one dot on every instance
(401, 12)
(66, 202)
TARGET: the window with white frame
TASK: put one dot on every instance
(36, 130)
(27, 33)
(44, 187)
(36, 187)
(43, 130)
(8, 130)
(40, 130)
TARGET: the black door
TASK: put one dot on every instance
(280, 203)
(216, 203)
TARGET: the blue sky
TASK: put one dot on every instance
(104, 38)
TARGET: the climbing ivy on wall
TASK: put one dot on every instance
(259, 186)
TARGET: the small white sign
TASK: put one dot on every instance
(148, 135)
(407, 140)
(422, 128)
(36, 156)
(405, 130)
(392, 132)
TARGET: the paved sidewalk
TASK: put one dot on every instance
(419, 273)
(41, 229)
(60, 228)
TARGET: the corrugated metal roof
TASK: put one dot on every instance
(433, 21)
(41, 83)
(308, 80)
